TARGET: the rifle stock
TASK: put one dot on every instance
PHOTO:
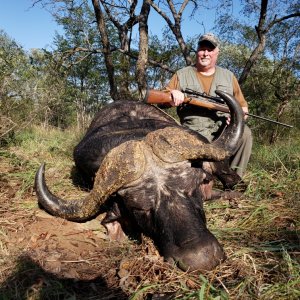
(159, 97)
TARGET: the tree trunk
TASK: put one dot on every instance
(143, 50)
(261, 33)
(124, 82)
(252, 59)
(106, 49)
(262, 29)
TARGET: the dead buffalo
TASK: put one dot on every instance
(150, 168)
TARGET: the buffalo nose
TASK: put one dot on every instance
(201, 256)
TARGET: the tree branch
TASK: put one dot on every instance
(129, 54)
(142, 60)
(279, 20)
(176, 27)
(160, 12)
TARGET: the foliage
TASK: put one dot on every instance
(87, 79)
(15, 105)
(167, 54)
(69, 84)
(273, 54)
(33, 89)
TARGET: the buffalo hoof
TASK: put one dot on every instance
(229, 180)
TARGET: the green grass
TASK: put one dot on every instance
(36, 145)
(289, 286)
(274, 170)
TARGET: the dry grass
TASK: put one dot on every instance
(260, 234)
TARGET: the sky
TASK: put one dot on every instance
(34, 27)
(31, 27)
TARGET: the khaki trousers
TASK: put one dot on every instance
(240, 159)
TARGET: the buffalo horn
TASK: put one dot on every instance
(231, 138)
(122, 165)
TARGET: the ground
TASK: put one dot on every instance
(45, 250)
(44, 257)
(29, 235)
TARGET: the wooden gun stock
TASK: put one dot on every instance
(159, 97)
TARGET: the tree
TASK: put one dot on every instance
(174, 10)
(33, 88)
(285, 49)
(269, 14)
(268, 19)
(83, 65)
(14, 71)
(131, 60)
(270, 74)
(48, 90)
(124, 15)
(126, 60)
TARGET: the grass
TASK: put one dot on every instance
(260, 232)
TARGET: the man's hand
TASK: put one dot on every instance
(177, 97)
(245, 110)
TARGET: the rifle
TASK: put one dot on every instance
(199, 99)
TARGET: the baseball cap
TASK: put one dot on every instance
(209, 37)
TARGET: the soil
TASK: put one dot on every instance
(33, 239)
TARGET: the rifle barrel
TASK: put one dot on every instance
(220, 101)
(269, 120)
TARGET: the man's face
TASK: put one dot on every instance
(207, 56)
